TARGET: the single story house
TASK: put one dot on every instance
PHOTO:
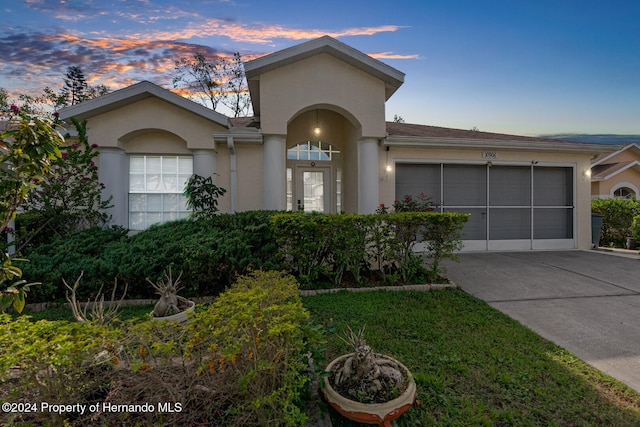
(319, 142)
(617, 174)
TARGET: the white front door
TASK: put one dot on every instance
(313, 189)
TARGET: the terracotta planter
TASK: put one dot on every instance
(178, 317)
(370, 413)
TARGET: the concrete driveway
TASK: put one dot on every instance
(587, 302)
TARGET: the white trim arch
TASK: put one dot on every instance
(624, 185)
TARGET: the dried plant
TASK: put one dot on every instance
(366, 376)
(100, 312)
(167, 288)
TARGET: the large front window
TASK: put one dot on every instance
(156, 184)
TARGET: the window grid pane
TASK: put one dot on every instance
(156, 184)
(313, 150)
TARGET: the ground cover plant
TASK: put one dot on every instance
(472, 364)
(238, 361)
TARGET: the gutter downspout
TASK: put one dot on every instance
(233, 174)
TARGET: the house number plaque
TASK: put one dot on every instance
(489, 155)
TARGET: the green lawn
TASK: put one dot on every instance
(474, 365)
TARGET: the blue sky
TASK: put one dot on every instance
(527, 67)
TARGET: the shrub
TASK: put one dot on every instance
(252, 339)
(617, 219)
(319, 246)
(69, 198)
(54, 362)
(66, 257)
(238, 362)
(211, 253)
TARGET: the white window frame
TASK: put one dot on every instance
(156, 204)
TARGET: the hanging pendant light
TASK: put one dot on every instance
(316, 130)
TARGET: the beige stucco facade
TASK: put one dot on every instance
(617, 174)
(319, 125)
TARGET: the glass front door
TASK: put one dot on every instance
(313, 189)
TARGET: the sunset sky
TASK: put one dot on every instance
(528, 67)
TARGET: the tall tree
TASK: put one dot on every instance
(76, 88)
(236, 89)
(214, 82)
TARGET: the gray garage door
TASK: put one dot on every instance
(512, 207)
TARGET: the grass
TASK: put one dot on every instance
(474, 365)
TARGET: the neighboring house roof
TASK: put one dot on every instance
(392, 78)
(406, 134)
(136, 92)
(606, 156)
(606, 171)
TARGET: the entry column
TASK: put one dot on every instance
(204, 163)
(116, 184)
(368, 191)
(275, 167)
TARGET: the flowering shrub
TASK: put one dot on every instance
(27, 148)
(420, 203)
(69, 198)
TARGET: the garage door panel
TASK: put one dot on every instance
(509, 224)
(464, 185)
(510, 186)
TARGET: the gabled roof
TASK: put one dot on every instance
(137, 92)
(414, 135)
(604, 157)
(392, 78)
(604, 171)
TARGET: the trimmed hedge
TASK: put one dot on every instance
(345, 249)
(320, 247)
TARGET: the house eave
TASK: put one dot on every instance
(134, 93)
(488, 144)
(391, 77)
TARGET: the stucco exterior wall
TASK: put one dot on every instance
(250, 175)
(317, 81)
(116, 127)
(628, 178)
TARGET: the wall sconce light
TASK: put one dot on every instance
(388, 168)
(587, 173)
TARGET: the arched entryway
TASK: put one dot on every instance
(318, 151)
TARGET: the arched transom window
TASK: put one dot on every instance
(314, 150)
(624, 193)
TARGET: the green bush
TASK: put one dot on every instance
(53, 362)
(211, 253)
(66, 257)
(320, 247)
(251, 340)
(617, 219)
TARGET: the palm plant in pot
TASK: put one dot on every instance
(368, 387)
(170, 306)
